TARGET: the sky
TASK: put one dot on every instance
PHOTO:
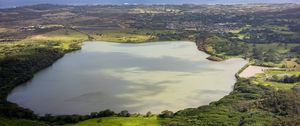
(14, 3)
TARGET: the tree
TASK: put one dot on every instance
(94, 115)
(124, 113)
(166, 114)
(257, 54)
(296, 50)
(272, 56)
(106, 113)
(148, 114)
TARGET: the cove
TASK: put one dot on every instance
(139, 78)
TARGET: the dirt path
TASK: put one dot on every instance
(250, 71)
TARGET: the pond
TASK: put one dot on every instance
(139, 78)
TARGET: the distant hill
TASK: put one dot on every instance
(15, 3)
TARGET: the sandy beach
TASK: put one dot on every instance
(250, 71)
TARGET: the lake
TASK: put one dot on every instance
(139, 78)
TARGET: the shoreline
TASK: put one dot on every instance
(79, 48)
(199, 46)
(251, 70)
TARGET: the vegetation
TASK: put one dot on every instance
(248, 104)
(234, 109)
(285, 104)
(296, 50)
(20, 60)
(285, 78)
(221, 47)
(260, 33)
(279, 79)
(143, 35)
(119, 121)
(123, 37)
(20, 122)
(19, 67)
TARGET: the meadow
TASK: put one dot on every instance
(119, 121)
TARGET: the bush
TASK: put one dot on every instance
(166, 114)
(124, 113)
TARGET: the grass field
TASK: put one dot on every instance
(131, 35)
(261, 78)
(292, 64)
(19, 122)
(238, 32)
(275, 85)
(64, 37)
(119, 121)
(123, 37)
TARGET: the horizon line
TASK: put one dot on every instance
(152, 4)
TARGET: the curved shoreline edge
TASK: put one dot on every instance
(80, 45)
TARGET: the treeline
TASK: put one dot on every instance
(12, 110)
(215, 44)
(270, 55)
(175, 36)
(285, 105)
(285, 78)
(18, 65)
(232, 110)
(230, 48)
(21, 113)
(265, 36)
(248, 104)
(65, 119)
(18, 68)
(223, 46)
(296, 50)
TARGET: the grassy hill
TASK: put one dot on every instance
(119, 121)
